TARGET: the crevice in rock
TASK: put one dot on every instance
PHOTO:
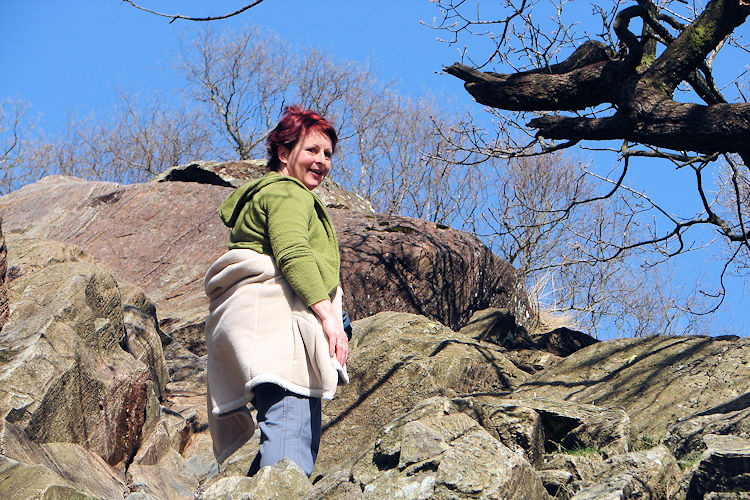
(106, 199)
(386, 462)
(194, 173)
(429, 465)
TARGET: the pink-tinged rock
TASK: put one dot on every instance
(64, 375)
(163, 236)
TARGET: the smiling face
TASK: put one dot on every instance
(309, 160)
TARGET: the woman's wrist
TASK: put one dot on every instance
(323, 309)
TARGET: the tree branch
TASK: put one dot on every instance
(717, 21)
(536, 91)
(670, 124)
(174, 17)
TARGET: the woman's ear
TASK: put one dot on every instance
(283, 154)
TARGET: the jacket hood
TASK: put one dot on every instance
(231, 207)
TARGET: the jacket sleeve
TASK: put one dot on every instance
(289, 212)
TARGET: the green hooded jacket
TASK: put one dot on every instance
(278, 216)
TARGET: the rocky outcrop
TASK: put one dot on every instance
(397, 360)
(723, 467)
(657, 380)
(99, 401)
(430, 413)
(236, 173)
(163, 236)
(65, 376)
(433, 451)
(502, 327)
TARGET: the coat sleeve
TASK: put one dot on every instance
(289, 215)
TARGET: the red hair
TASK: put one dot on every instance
(294, 124)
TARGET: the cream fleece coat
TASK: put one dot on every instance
(258, 330)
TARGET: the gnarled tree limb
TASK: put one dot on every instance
(646, 112)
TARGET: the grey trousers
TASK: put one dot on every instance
(290, 426)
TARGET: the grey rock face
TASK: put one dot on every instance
(28, 468)
(65, 377)
(686, 436)
(535, 425)
(434, 451)
(657, 380)
(397, 360)
(23, 481)
(650, 475)
(723, 468)
(283, 480)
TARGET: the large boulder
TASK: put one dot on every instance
(723, 467)
(398, 360)
(648, 474)
(433, 451)
(64, 375)
(163, 236)
(283, 480)
(657, 380)
(392, 263)
(31, 468)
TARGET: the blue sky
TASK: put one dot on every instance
(72, 56)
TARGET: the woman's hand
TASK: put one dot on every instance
(333, 327)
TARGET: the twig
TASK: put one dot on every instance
(174, 17)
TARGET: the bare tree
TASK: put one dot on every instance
(132, 142)
(636, 84)
(559, 254)
(655, 92)
(18, 165)
(389, 144)
(242, 82)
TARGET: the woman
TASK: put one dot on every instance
(274, 333)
